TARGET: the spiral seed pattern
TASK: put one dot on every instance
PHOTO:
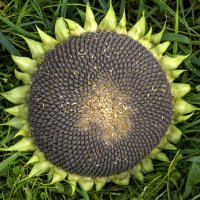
(98, 104)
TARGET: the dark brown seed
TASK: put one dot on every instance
(97, 106)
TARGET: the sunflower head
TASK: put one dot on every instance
(97, 103)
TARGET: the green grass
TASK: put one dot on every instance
(176, 180)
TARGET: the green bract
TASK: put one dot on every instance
(65, 29)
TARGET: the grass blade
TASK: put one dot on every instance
(8, 45)
(9, 160)
(18, 29)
